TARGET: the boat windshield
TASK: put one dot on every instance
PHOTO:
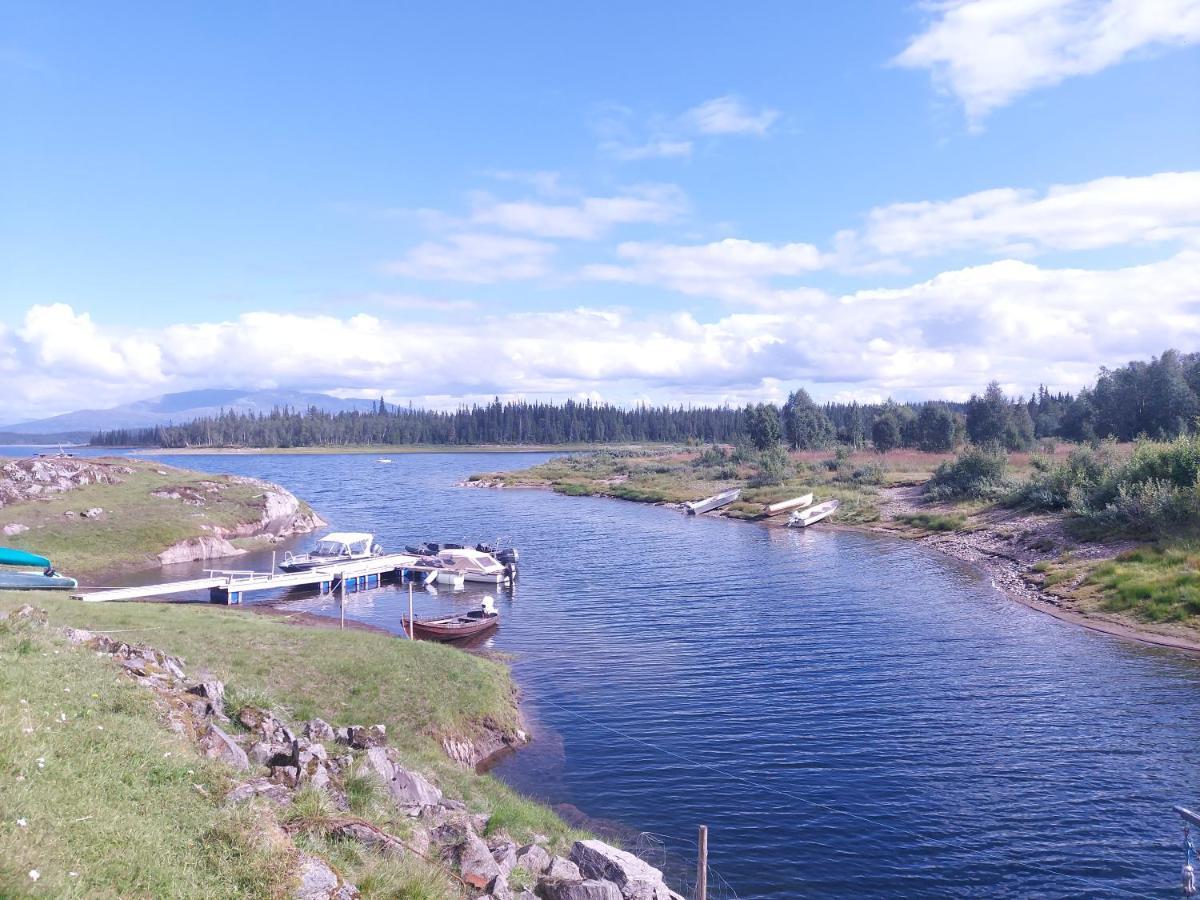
(331, 548)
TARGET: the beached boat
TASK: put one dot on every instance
(455, 628)
(774, 509)
(24, 571)
(802, 518)
(696, 507)
(338, 547)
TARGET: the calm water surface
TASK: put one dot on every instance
(850, 715)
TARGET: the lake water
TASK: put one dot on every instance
(851, 716)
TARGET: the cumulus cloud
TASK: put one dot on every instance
(989, 52)
(475, 258)
(587, 218)
(1096, 214)
(946, 336)
(730, 115)
(623, 138)
(733, 269)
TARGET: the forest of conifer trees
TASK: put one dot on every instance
(1159, 399)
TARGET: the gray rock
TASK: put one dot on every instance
(579, 890)
(475, 863)
(259, 787)
(318, 881)
(499, 889)
(505, 855)
(319, 730)
(361, 738)
(533, 858)
(637, 880)
(563, 870)
(370, 836)
(408, 790)
(78, 635)
(216, 744)
(213, 693)
(15, 528)
(94, 513)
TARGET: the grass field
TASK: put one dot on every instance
(135, 525)
(420, 691)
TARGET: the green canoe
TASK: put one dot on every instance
(10, 557)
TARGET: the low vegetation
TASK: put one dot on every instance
(152, 507)
(422, 692)
(1153, 584)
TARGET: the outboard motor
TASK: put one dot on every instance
(507, 556)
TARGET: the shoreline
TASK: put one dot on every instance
(367, 450)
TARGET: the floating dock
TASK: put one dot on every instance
(231, 586)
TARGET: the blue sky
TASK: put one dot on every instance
(682, 202)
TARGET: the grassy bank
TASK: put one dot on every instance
(135, 525)
(422, 692)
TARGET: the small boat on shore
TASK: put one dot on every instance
(455, 628)
(338, 547)
(774, 509)
(24, 571)
(696, 507)
(802, 518)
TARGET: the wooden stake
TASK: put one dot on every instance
(702, 865)
(411, 636)
(272, 563)
(343, 625)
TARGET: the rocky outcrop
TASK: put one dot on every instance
(274, 759)
(41, 477)
(198, 549)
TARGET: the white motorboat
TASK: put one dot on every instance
(802, 518)
(774, 509)
(337, 547)
(475, 565)
(383, 460)
(710, 503)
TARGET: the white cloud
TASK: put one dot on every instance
(946, 336)
(654, 148)
(1096, 214)
(475, 258)
(730, 115)
(989, 52)
(733, 269)
(587, 218)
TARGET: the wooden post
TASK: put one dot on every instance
(702, 864)
(272, 564)
(410, 614)
(343, 622)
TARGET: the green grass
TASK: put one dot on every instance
(939, 522)
(109, 793)
(421, 691)
(135, 526)
(1154, 584)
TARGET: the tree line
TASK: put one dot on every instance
(1159, 399)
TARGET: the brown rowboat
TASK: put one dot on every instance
(452, 628)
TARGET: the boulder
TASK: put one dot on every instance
(636, 879)
(213, 693)
(319, 730)
(533, 858)
(94, 513)
(216, 744)
(475, 863)
(591, 889)
(316, 880)
(198, 548)
(408, 790)
(562, 870)
(505, 855)
(362, 738)
(369, 836)
(259, 787)
(15, 528)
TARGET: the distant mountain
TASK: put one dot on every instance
(180, 408)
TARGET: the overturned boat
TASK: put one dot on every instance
(338, 547)
(24, 571)
(802, 518)
(774, 509)
(696, 507)
(455, 628)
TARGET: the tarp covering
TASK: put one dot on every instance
(10, 557)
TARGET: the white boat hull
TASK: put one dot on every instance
(802, 518)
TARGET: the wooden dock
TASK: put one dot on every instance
(231, 586)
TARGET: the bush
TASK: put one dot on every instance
(1065, 485)
(774, 467)
(976, 472)
(711, 456)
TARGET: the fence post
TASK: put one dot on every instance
(343, 604)
(702, 864)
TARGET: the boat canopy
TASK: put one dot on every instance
(352, 541)
(10, 557)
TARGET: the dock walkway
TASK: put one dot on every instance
(230, 586)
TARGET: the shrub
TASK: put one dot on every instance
(976, 472)
(1064, 485)
(774, 467)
